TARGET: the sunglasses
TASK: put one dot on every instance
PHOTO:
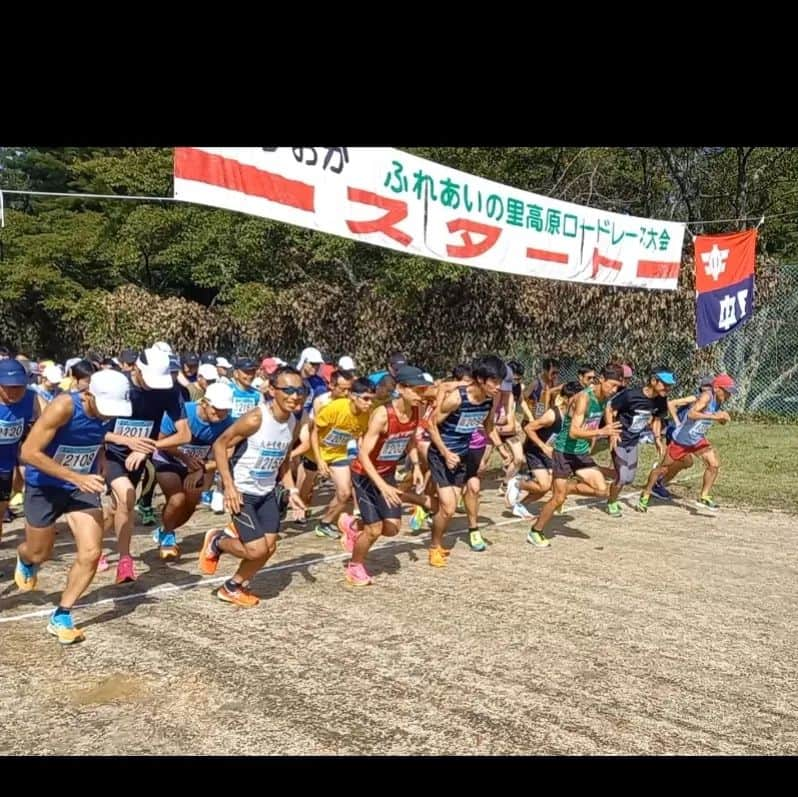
(291, 391)
(363, 396)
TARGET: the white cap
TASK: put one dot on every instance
(70, 362)
(111, 391)
(53, 373)
(346, 363)
(208, 372)
(310, 355)
(163, 346)
(220, 396)
(223, 362)
(155, 369)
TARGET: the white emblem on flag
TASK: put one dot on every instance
(727, 315)
(715, 262)
(742, 300)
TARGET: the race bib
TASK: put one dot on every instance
(592, 423)
(470, 421)
(242, 405)
(197, 452)
(393, 448)
(337, 438)
(77, 458)
(699, 430)
(11, 431)
(131, 428)
(640, 421)
(267, 465)
(539, 409)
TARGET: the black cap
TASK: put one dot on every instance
(413, 377)
(397, 360)
(190, 358)
(244, 364)
(208, 357)
(129, 356)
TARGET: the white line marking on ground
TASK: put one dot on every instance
(156, 592)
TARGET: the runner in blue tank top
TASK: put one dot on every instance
(184, 472)
(18, 410)
(690, 438)
(458, 415)
(63, 454)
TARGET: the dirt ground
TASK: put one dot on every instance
(669, 633)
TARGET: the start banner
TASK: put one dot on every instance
(389, 198)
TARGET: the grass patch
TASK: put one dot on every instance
(758, 466)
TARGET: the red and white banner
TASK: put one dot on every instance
(389, 198)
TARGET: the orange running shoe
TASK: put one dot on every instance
(240, 597)
(208, 558)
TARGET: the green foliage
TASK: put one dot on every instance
(87, 272)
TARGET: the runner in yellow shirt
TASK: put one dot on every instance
(338, 425)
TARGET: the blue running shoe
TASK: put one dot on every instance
(167, 545)
(25, 576)
(660, 491)
(63, 627)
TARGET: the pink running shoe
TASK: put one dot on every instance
(124, 570)
(349, 532)
(357, 575)
(102, 565)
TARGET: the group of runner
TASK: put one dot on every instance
(259, 434)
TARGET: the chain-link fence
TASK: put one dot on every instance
(761, 355)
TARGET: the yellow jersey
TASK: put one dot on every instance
(337, 426)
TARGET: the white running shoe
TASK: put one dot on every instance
(519, 510)
(513, 495)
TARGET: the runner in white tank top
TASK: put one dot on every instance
(262, 440)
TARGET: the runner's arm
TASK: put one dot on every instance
(234, 435)
(378, 424)
(303, 435)
(284, 474)
(181, 437)
(675, 404)
(445, 407)
(56, 414)
(315, 445)
(696, 412)
(578, 418)
(525, 408)
(531, 429)
(492, 432)
(656, 430)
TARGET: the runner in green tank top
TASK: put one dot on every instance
(592, 415)
(580, 426)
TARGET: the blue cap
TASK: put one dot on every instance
(666, 377)
(244, 364)
(13, 373)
